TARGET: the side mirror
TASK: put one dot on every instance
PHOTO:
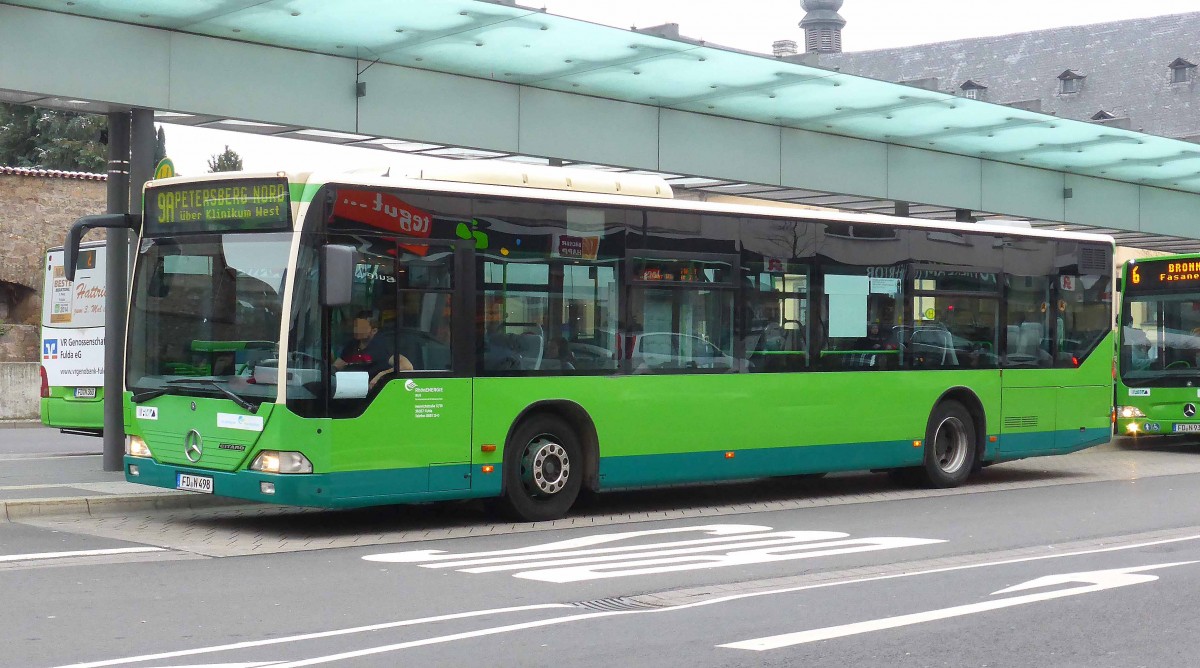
(1120, 284)
(75, 235)
(337, 275)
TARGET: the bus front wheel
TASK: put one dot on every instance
(950, 446)
(543, 469)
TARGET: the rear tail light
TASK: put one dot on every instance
(45, 383)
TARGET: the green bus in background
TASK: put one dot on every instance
(1158, 379)
(72, 361)
(346, 341)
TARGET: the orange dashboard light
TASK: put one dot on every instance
(917, 444)
(488, 468)
(487, 447)
(729, 455)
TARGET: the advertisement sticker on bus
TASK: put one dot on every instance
(385, 212)
(73, 321)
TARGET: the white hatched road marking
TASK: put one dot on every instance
(78, 553)
(570, 618)
(1094, 581)
(576, 559)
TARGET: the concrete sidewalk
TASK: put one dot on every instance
(45, 472)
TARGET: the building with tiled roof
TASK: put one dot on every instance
(1138, 74)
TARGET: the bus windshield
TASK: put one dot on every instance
(1160, 340)
(206, 311)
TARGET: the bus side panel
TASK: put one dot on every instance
(414, 438)
(1079, 424)
(1044, 409)
(682, 428)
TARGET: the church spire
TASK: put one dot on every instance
(822, 26)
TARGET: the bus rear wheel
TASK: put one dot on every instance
(543, 469)
(950, 446)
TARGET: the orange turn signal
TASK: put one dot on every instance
(729, 455)
(488, 468)
(487, 447)
(916, 444)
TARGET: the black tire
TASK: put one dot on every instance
(809, 476)
(543, 469)
(951, 446)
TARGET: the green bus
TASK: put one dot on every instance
(1158, 368)
(346, 341)
(72, 362)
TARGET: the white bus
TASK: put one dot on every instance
(73, 342)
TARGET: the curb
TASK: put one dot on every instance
(21, 423)
(89, 506)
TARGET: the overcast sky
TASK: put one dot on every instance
(749, 24)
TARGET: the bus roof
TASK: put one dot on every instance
(638, 193)
(86, 244)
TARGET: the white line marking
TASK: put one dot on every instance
(316, 635)
(254, 664)
(78, 553)
(1098, 581)
(573, 618)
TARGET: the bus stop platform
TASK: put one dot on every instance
(46, 472)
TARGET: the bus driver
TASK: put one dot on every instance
(367, 351)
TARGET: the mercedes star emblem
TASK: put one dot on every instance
(193, 445)
(1189, 410)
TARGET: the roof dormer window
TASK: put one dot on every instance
(1182, 71)
(972, 90)
(1070, 82)
(1103, 115)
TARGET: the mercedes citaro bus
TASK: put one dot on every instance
(345, 340)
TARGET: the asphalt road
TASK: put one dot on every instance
(24, 440)
(1070, 574)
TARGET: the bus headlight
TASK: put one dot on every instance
(273, 461)
(1130, 412)
(135, 446)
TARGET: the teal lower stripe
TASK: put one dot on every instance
(1019, 446)
(644, 470)
(462, 481)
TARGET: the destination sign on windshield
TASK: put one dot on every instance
(241, 205)
(1147, 275)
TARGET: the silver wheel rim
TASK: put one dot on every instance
(545, 468)
(950, 444)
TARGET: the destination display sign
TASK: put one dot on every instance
(1151, 275)
(236, 205)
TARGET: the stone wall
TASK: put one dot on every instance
(38, 208)
(20, 388)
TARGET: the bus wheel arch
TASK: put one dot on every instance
(974, 406)
(548, 434)
(954, 439)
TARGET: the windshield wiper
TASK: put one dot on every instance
(253, 408)
(149, 394)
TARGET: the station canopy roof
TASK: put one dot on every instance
(521, 45)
